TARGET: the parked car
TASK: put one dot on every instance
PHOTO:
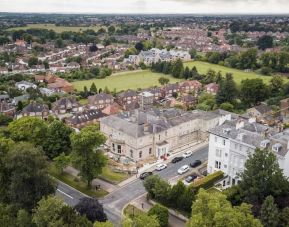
(196, 163)
(191, 178)
(144, 175)
(160, 167)
(177, 159)
(187, 154)
(183, 169)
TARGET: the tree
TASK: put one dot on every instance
(32, 61)
(51, 211)
(227, 91)
(161, 213)
(6, 215)
(276, 84)
(284, 217)
(89, 160)
(253, 91)
(92, 209)
(248, 59)
(262, 177)
(141, 220)
(186, 73)
(61, 162)
(57, 140)
(264, 42)
(193, 53)
(59, 43)
(23, 219)
(164, 80)
(30, 129)
(139, 46)
(111, 30)
(93, 88)
(178, 68)
(269, 213)
(28, 180)
(175, 194)
(213, 210)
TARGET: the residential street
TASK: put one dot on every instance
(116, 201)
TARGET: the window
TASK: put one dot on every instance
(150, 151)
(218, 165)
(240, 147)
(131, 153)
(159, 137)
(236, 146)
(226, 154)
(140, 154)
(119, 149)
(216, 139)
(113, 147)
(224, 142)
(218, 153)
(225, 166)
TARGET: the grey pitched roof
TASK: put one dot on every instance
(85, 116)
(100, 96)
(263, 108)
(35, 108)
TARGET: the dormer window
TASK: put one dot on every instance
(277, 147)
(264, 143)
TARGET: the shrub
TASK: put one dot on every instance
(208, 181)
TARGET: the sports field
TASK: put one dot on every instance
(57, 29)
(126, 80)
(238, 75)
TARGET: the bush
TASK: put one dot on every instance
(161, 213)
(208, 181)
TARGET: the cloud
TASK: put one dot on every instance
(146, 6)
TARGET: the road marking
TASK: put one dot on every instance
(64, 193)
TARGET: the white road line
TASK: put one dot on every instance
(64, 193)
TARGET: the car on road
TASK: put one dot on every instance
(160, 167)
(187, 154)
(196, 163)
(183, 169)
(177, 159)
(191, 178)
(144, 175)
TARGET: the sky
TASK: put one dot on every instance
(148, 6)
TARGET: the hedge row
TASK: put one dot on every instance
(208, 181)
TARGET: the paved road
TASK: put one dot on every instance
(115, 201)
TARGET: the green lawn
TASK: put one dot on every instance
(131, 210)
(77, 184)
(57, 29)
(126, 80)
(238, 75)
(109, 175)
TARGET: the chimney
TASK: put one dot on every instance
(240, 124)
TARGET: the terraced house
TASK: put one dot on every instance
(231, 143)
(139, 135)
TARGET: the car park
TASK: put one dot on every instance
(177, 159)
(144, 175)
(191, 178)
(160, 167)
(183, 169)
(196, 163)
(187, 154)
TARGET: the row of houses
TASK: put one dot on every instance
(154, 55)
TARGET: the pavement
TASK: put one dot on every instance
(114, 203)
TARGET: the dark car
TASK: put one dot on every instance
(144, 175)
(191, 178)
(177, 159)
(196, 163)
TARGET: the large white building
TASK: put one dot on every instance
(138, 135)
(231, 142)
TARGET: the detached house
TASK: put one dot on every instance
(100, 101)
(170, 89)
(65, 105)
(127, 97)
(212, 88)
(190, 86)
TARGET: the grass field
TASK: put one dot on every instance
(79, 185)
(57, 29)
(125, 80)
(113, 177)
(238, 75)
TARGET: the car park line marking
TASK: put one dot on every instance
(64, 193)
